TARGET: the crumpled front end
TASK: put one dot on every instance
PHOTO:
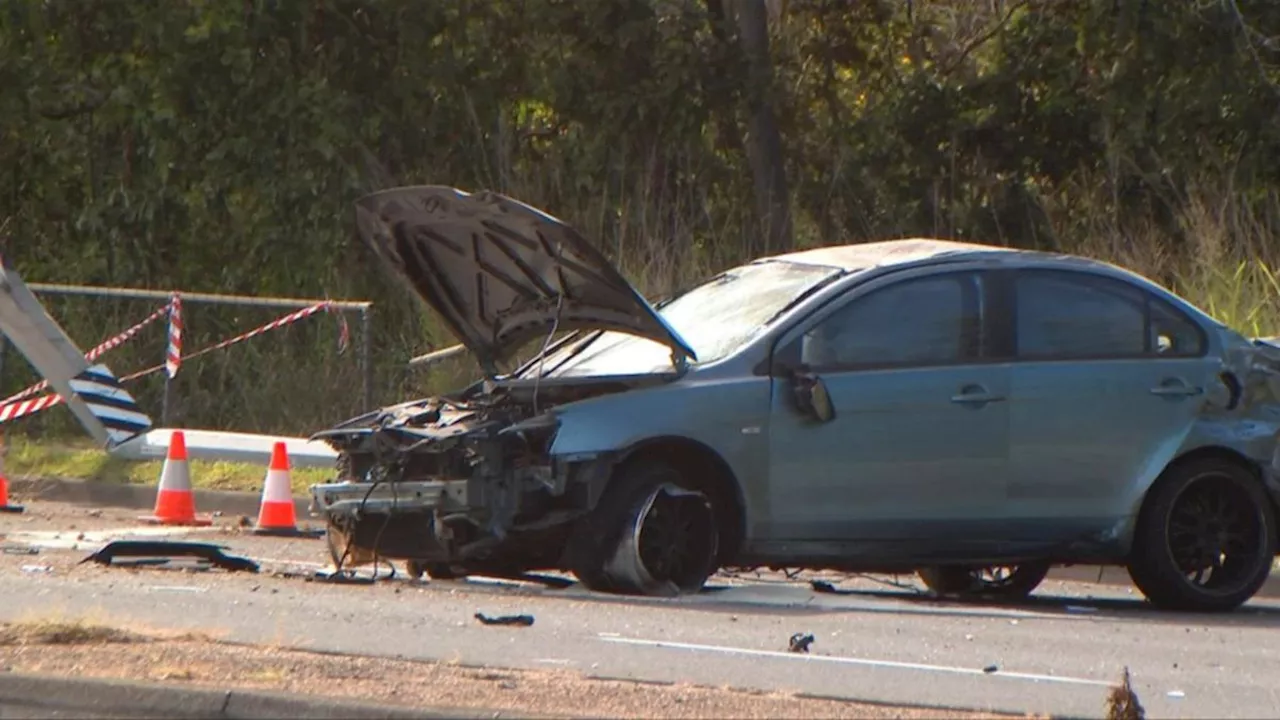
(447, 480)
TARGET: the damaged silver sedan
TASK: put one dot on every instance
(974, 414)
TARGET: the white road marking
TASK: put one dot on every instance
(844, 660)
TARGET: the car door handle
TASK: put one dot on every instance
(980, 396)
(1176, 390)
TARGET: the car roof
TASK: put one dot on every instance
(864, 256)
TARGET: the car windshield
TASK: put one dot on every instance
(714, 318)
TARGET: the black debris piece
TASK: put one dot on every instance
(21, 550)
(170, 549)
(521, 620)
(990, 669)
(800, 643)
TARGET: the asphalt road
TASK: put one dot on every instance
(1056, 655)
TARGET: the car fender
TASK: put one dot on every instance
(727, 416)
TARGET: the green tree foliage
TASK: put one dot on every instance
(217, 145)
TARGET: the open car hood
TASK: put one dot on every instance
(500, 272)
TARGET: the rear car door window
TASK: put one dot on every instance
(924, 321)
(1073, 315)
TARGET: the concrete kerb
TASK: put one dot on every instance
(137, 497)
(45, 695)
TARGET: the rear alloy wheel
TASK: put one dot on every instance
(650, 535)
(1005, 582)
(1205, 539)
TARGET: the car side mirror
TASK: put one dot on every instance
(811, 397)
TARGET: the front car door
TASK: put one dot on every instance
(1108, 379)
(917, 449)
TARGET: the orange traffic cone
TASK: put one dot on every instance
(175, 503)
(276, 515)
(4, 484)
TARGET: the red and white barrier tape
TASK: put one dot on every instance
(110, 343)
(173, 353)
(273, 325)
(14, 410)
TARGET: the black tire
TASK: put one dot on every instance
(1210, 511)
(650, 534)
(1011, 582)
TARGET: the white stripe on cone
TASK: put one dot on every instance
(175, 475)
(278, 487)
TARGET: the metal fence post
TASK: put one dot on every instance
(164, 401)
(4, 350)
(366, 366)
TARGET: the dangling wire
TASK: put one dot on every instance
(555, 326)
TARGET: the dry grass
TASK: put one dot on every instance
(63, 632)
(81, 460)
(1226, 262)
(1122, 703)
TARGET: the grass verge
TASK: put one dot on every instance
(62, 632)
(82, 460)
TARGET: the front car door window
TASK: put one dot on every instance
(930, 321)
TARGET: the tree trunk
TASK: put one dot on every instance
(764, 141)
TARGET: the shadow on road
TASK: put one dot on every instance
(800, 598)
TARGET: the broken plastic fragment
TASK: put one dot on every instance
(168, 549)
(800, 643)
(521, 620)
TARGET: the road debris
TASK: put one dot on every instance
(342, 577)
(20, 550)
(800, 642)
(520, 620)
(1122, 703)
(169, 549)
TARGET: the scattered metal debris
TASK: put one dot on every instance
(342, 577)
(822, 586)
(169, 549)
(800, 642)
(521, 620)
(20, 550)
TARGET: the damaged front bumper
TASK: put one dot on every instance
(351, 499)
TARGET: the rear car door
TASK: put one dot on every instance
(1108, 379)
(917, 447)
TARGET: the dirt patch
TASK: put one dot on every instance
(61, 632)
(87, 650)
